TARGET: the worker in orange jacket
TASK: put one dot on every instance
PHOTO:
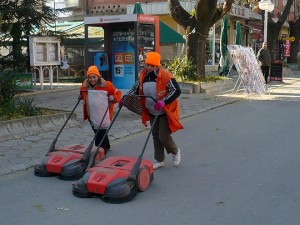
(94, 81)
(161, 86)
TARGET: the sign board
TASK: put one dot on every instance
(24, 81)
(287, 48)
(239, 11)
(44, 50)
(110, 19)
(276, 72)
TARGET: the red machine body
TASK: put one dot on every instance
(60, 156)
(112, 168)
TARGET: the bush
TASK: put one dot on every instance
(7, 86)
(11, 106)
(182, 68)
(27, 108)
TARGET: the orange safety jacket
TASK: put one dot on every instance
(102, 86)
(172, 110)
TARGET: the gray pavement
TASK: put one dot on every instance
(24, 152)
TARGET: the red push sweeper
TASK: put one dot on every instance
(69, 162)
(116, 179)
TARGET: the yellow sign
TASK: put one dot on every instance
(290, 38)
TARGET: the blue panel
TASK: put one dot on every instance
(101, 61)
(123, 59)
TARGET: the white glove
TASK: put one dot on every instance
(111, 98)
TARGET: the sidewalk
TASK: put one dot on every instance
(25, 152)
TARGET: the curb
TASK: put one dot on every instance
(15, 129)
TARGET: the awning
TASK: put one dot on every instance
(168, 35)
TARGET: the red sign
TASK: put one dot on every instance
(287, 48)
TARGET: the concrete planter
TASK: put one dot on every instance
(189, 88)
(205, 87)
(214, 87)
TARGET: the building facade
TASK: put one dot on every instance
(248, 14)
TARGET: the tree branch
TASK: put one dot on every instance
(220, 12)
(284, 14)
(179, 14)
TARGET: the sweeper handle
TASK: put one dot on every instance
(136, 166)
(93, 158)
(88, 150)
(52, 146)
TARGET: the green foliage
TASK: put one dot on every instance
(27, 108)
(8, 110)
(11, 106)
(182, 68)
(7, 86)
(18, 108)
(184, 71)
(19, 19)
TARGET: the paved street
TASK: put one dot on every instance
(239, 166)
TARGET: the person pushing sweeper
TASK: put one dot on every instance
(95, 102)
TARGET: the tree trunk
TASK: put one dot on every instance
(273, 33)
(195, 48)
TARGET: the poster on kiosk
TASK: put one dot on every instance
(127, 39)
(123, 58)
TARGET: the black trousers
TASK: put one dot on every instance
(265, 71)
(105, 144)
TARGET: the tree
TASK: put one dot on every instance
(197, 25)
(19, 19)
(275, 27)
(294, 32)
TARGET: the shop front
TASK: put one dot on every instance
(251, 26)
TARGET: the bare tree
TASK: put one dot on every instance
(197, 25)
(275, 27)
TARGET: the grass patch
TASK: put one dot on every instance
(39, 112)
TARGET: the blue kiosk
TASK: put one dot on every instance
(127, 39)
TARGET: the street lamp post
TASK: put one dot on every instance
(267, 6)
